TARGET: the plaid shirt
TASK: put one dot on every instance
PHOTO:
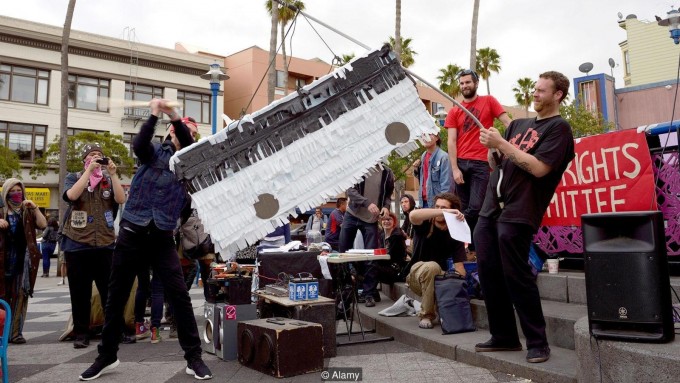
(155, 193)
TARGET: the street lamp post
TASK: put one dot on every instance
(441, 115)
(215, 76)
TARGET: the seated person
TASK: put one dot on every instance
(394, 240)
(433, 245)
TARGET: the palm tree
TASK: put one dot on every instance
(524, 92)
(406, 52)
(473, 35)
(285, 16)
(448, 80)
(63, 120)
(345, 58)
(397, 30)
(488, 61)
(271, 75)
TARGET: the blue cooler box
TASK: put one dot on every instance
(303, 288)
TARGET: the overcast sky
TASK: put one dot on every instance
(530, 36)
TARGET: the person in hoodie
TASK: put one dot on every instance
(19, 252)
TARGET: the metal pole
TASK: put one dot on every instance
(214, 87)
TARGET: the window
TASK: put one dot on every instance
(589, 96)
(88, 93)
(300, 82)
(74, 131)
(435, 107)
(138, 92)
(195, 105)
(127, 141)
(626, 60)
(279, 79)
(22, 84)
(27, 140)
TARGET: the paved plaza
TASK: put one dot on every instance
(44, 359)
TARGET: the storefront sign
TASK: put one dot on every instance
(611, 172)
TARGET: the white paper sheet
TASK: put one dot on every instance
(459, 230)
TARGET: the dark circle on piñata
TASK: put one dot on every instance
(397, 133)
(267, 206)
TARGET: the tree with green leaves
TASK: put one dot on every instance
(9, 162)
(488, 61)
(583, 122)
(407, 53)
(448, 80)
(285, 16)
(345, 58)
(402, 166)
(112, 145)
(524, 92)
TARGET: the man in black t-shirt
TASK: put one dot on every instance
(433, 246)
(529, 160)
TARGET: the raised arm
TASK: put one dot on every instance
(492, 139)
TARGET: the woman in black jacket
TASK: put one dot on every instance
(394, 240)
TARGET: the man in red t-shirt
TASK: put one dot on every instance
(468, 157)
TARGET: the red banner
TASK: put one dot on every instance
(611, 172)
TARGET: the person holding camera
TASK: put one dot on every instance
(93, 196)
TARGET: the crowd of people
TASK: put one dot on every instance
(499, 184)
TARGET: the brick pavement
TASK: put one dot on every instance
(44, 359)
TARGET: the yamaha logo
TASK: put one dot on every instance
(623, 313)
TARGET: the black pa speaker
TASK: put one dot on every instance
(627, 282)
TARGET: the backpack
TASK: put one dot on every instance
(195, 241)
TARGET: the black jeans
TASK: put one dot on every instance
(472, 192)
(140, 247)
(506, 279)
(85, 266)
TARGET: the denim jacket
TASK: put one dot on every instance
(439, 175)
(155, 193)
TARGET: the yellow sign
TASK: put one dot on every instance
(39, 196)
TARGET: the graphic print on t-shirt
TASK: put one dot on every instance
(525, 141)
(469, 123)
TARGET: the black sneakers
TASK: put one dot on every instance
(81, 341)
(198, 369)
(492, 345)
(538, 355)
(370, 301)
(100, 366)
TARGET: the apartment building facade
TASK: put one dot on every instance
(105, 74)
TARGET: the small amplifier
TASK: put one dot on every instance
(274, 346)
(224, 335)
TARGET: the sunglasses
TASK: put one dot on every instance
(467, 72)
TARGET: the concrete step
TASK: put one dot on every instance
(460, 347)
(560, 317)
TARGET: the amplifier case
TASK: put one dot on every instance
(281, 350)
(208, 329)
(321, 313)
(224, 333)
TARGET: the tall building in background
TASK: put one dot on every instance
(650, 66)
(103, 72)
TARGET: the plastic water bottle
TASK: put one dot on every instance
(449, 263)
